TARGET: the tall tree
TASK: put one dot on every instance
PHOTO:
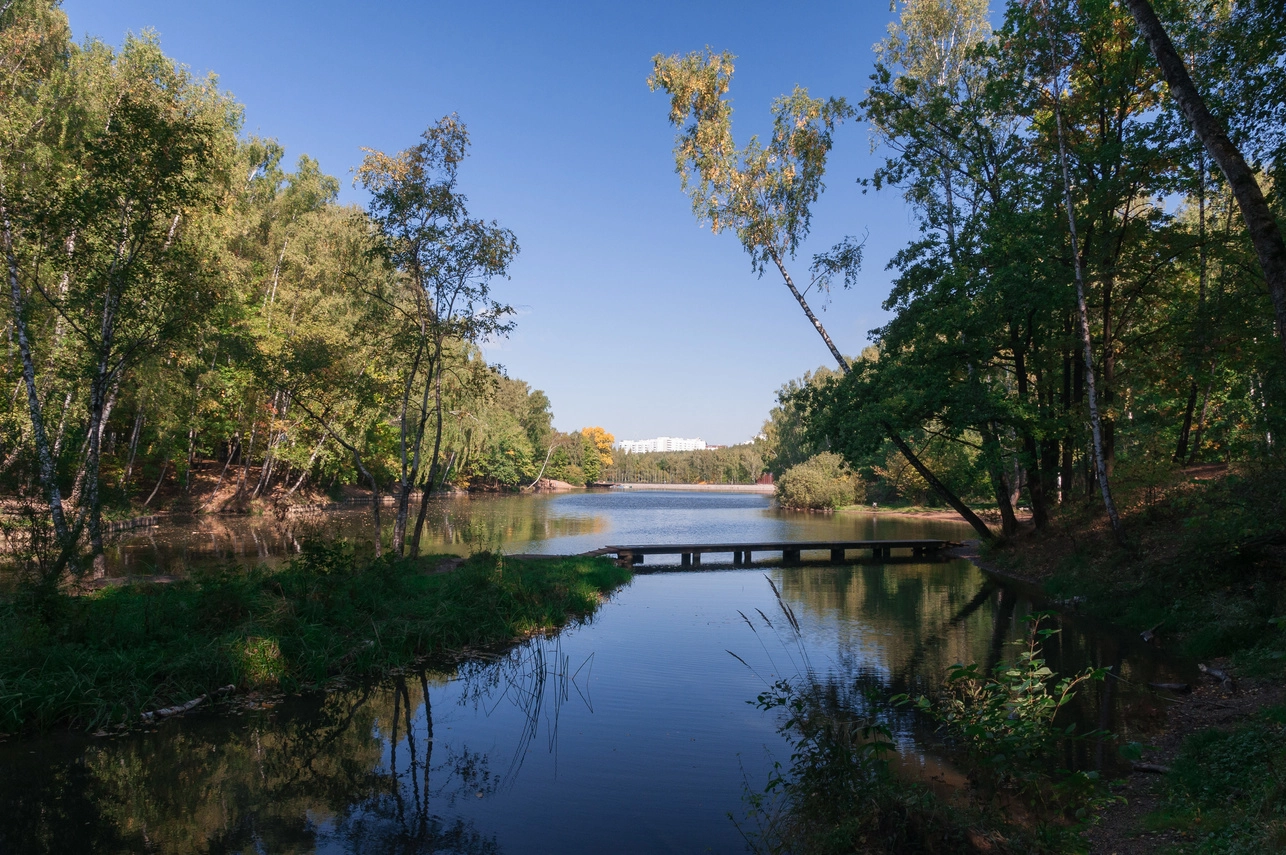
(1261, 224)
(446, 261)
(127, 159)
(765, 193)
(1096, 430)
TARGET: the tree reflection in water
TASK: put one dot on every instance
(355, 769)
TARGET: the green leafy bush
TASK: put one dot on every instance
(1005, 725)
(821, 483)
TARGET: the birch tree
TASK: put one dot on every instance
(765, 192)
(446, 261)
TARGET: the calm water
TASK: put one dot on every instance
(563, 523)
(629, 733)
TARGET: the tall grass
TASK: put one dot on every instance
(103, 658)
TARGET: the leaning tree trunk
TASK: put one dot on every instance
(1260, 222)
(934, 484)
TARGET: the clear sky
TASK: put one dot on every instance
(630, 316)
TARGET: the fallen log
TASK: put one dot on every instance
(1225, 681)
(1152, 768)
(1181, 688)
(179, 709)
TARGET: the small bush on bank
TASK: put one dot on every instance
(821, 483)
(108, 656)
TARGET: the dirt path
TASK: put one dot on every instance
(1121, 828)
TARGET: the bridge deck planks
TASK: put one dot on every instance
(742, 553)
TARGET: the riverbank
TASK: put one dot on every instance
(105, 658)
(1203, 575)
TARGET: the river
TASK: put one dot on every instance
(632, 732)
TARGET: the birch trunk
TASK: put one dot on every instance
(44, 455)
(934, 483)
(1096, 425)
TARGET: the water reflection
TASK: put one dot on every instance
(631, 733)
(458, 525)
(566, 523)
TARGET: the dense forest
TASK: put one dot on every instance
(1095, 297)
(192, 323)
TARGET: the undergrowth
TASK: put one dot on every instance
(1226, 792)
(839, 794)
(102, 658)
(1205, 568)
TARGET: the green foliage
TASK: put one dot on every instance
(1005, 724)
(1226, 792)
(981, 348)
(786, 437)
(181, 295)
(112, 654)
(823, 482)
(591, 462)
(764, 193)
(736, 464)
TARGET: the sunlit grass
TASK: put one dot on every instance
(106, 657)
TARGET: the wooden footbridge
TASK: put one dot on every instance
(791, 551)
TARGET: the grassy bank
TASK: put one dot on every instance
(103, 658)
(1205, 571)
(1205, 565)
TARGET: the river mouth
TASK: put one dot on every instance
(635, 731)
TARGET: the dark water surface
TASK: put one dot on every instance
(629, 733)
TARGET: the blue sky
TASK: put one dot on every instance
(631, 317)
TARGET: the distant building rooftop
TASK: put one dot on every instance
(660, 443)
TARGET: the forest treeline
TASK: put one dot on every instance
(1085, 305)
(733, 464)
(185, 315)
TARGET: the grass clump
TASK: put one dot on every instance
(105, 657)
(821, 483)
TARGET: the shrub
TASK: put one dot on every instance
(821, 483)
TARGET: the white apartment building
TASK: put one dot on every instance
(661, 443)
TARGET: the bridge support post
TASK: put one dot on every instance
(696, 559)
(837, 556)
(685, 560)
(736, 558)
(790, 556)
